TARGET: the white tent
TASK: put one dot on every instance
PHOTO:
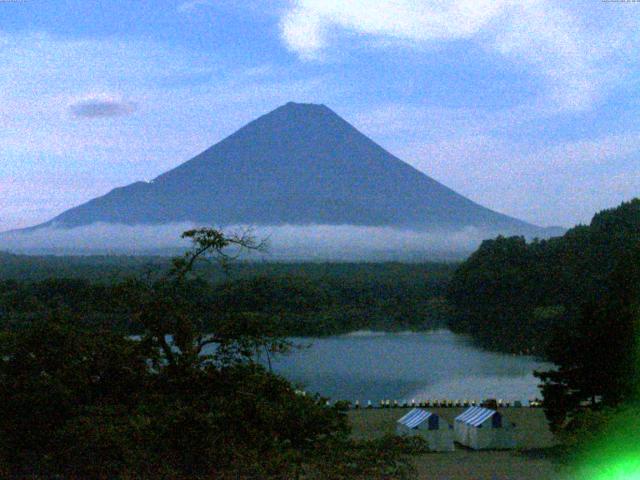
(437, 433)
(482, 428)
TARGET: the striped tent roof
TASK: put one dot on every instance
(415, 417)
(475, 416)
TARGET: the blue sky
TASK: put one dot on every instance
(530, 107)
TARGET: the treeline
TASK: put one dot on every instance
(111, 268)
(511, 295)
(300, 299)
(91, 267)
(304, 306)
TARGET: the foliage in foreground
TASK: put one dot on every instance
(83, 402)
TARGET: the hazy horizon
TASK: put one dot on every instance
(283, 242)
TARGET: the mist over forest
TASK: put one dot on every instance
(301, 242)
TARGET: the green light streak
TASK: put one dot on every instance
(620, 469)
(615, 454)
(612, 465)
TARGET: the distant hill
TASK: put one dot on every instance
(300, 164)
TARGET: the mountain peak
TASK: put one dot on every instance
(297, 111)
(304, 106)
(299, 164)
(301, 104)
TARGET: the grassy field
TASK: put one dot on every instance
(530, 461)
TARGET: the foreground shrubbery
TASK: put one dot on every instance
(83, 402)
(86, 403)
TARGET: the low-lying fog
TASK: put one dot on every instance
(339, 242)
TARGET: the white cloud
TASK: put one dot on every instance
(306, 24)
(303, 31)
(579, 59)
(555, 44)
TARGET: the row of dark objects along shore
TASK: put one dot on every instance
(488, 403)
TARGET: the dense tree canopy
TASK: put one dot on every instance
(509, 294)
(574, 300)
(597, 355)
(303, 299)
(80, 401)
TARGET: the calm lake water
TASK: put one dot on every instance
(404, 366)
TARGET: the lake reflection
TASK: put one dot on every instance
(404, 366)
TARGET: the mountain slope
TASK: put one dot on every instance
(300, 164)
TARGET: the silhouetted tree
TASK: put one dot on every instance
(597, 353)
(83, 402)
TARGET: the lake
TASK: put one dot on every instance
(404, 366)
